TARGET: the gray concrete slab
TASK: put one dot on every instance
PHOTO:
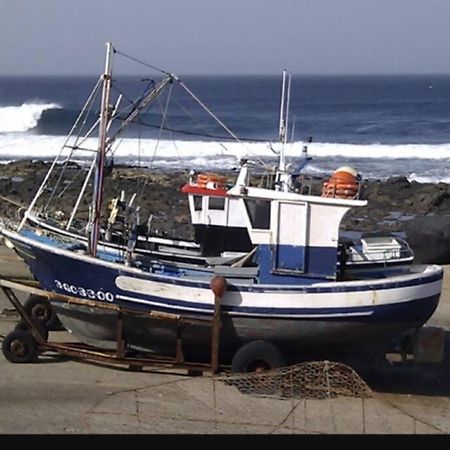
(60, 395)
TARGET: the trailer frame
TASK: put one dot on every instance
(135, 360)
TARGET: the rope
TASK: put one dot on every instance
(6, 199)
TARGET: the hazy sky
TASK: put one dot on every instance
(227, 36)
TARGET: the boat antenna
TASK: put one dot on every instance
(281, 179)
(282, 128)
(100, 160)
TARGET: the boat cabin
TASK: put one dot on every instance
(295, 235)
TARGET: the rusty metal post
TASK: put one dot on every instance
(179, 355)
(218, 286)
(120, 347)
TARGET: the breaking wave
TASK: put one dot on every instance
(19, 119)
(420, 162)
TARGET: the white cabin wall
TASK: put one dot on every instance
(324, 224)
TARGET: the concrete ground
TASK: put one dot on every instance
(60, 395)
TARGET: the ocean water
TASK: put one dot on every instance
(381, 125)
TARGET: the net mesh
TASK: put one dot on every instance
(308, 380)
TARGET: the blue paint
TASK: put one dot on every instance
(299, 284)
(89, 274)
(319, 263)
(112, 255)
(291, 258)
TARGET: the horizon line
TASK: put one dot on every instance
(231, 74)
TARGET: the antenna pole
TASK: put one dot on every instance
(281, 176)
(282, 129)
(288, 101)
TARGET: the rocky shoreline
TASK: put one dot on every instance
(418, 211)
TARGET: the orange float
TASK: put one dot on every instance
(208, 180)
(343, 183)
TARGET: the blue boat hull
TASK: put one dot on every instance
(99, 327)
(295, 328)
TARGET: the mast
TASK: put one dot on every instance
(89, 174)
(282, 177)
(100, 160)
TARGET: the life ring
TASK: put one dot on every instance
(211, 180)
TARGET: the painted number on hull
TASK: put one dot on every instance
(82, 292)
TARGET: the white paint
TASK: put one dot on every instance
(285, 299)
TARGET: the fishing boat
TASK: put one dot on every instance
(282, 297)
(220, 234)
(220, 224)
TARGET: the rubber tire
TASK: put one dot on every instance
(40, 308)
(29, 347)
(43, 330)
(257, 354)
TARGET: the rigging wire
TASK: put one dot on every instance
(163, 119)
(188, 90)
(47, 176)
(171, 134)
(159, 137)
(194, 133)
(133, 117)
(74, 147)
(132, 58)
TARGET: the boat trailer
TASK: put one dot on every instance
(30, 337)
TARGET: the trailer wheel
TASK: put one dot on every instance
(19, 346)
(40, 308)
(43, 330)
(257, 356)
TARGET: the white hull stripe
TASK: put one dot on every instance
(280, 300)
(239, 313)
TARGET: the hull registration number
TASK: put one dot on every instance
(84, 292)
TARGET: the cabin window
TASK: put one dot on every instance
(217, 203)
(259, 213)
(198, 202)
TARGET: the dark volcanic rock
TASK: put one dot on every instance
(429, 237)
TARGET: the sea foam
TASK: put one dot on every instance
(421, 162)
(17, 119)
(44, 146)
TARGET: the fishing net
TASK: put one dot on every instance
(308, 380)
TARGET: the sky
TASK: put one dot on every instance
(62, 37)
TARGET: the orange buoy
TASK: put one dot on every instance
(343, 183)
(345, 174)
(211, 180)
